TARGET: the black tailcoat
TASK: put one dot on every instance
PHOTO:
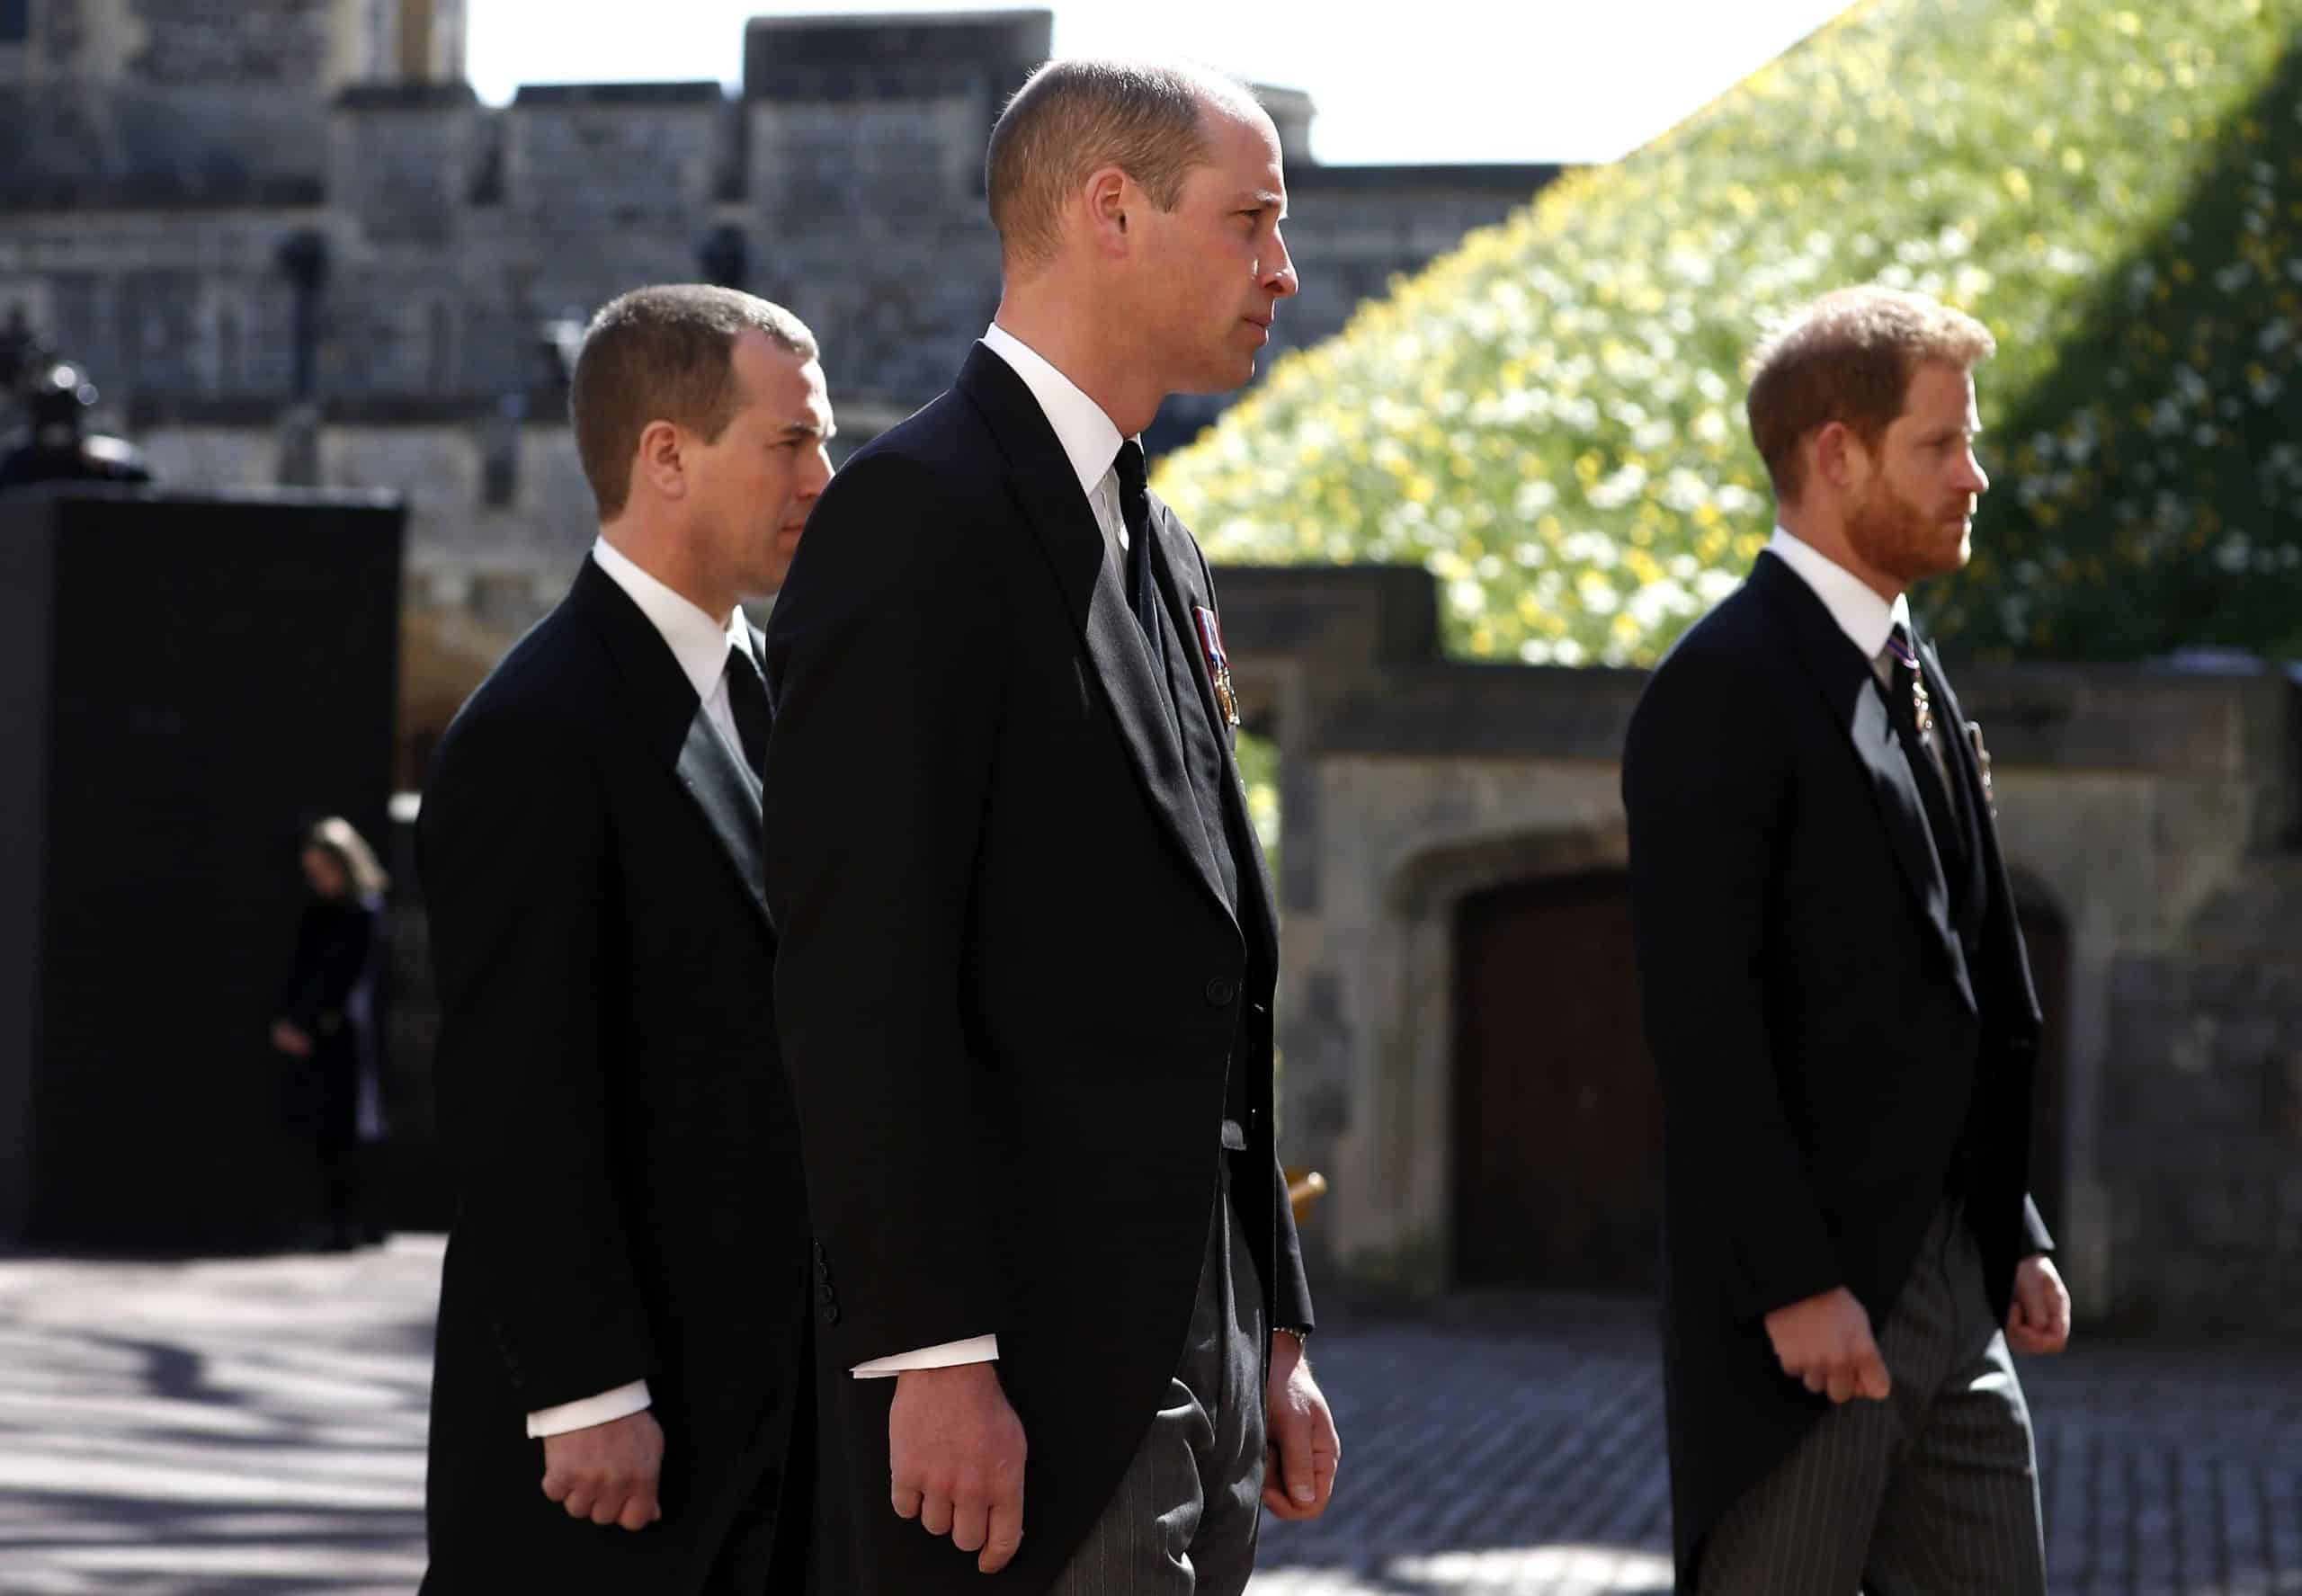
(1825, 1007)
(1029, 949)
(609, 1101)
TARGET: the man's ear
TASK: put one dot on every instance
(1835, 456)
(659, 458)
(1107, 196)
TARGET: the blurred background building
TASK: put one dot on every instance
(294, 247)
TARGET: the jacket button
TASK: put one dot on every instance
(826, 1294)
(1221, 990)
(831, 1313)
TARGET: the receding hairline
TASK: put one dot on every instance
(1217, 100)
(1212, 88)
(799, 360)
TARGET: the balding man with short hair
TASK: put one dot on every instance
(1029, 945)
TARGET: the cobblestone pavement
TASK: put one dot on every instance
(257, 1427)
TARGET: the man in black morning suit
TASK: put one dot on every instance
(1837, 997)
(623, 1373)
(1028, 948)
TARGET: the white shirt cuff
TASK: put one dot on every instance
(976, 1349)
(603, 1409)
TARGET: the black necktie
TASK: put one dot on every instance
(747, 700)
(1134, 514)
(1903, 692)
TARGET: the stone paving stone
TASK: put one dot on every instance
(256, 1428)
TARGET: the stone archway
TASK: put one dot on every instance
(1444, 1192)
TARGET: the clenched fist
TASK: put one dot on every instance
(1825, 1343)
(955, 1456)
(607, 1473)
(2037, 1321)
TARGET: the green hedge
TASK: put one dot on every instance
(1551, 418)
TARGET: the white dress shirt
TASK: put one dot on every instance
(1866, 620)
(699, 644)
(1091, 442)
(697, 641)
(1089, 438)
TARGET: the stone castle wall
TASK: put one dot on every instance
(142, 220)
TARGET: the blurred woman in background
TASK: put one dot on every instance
(325, 1019)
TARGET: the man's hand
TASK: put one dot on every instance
(955, 1460)
(2038, 1323)
(607, 1473)
(290, 1040)
(1304, 1450)
(1825, 1343)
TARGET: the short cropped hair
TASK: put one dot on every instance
(1849, 357)
(663, 354)
(1074, 116)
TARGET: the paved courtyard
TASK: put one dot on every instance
(257, 1426)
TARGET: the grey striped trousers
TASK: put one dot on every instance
(1184, 1519)
(1933, 1492)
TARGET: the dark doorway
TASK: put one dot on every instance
(2047, 938)
(1558, 1122)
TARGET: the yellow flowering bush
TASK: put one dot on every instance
(1551, 418)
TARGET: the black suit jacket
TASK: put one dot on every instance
(1823, 1019)
(609, 1101)
(1028, 945)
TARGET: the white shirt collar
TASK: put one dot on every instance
(1090, 440)
(1866, 620)
(697, 641)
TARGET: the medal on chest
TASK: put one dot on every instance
(1922, 704)
(1218, 664)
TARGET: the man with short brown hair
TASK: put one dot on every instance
(1028, 946)
(622, 1361)
(1837, 998)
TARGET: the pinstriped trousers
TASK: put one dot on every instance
(1933, 1492)
(1183, 1521)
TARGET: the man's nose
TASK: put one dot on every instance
(1279, 274)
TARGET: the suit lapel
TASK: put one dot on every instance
(728, 795)
(1176, 565)
(677, 730)
(1966, 804)
(1996, 898)
(1837, 670)
(1046, 491)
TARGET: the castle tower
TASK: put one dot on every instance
(222, 101)
(308, 47)
(415, 41)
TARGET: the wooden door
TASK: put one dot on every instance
(1557, 1121)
